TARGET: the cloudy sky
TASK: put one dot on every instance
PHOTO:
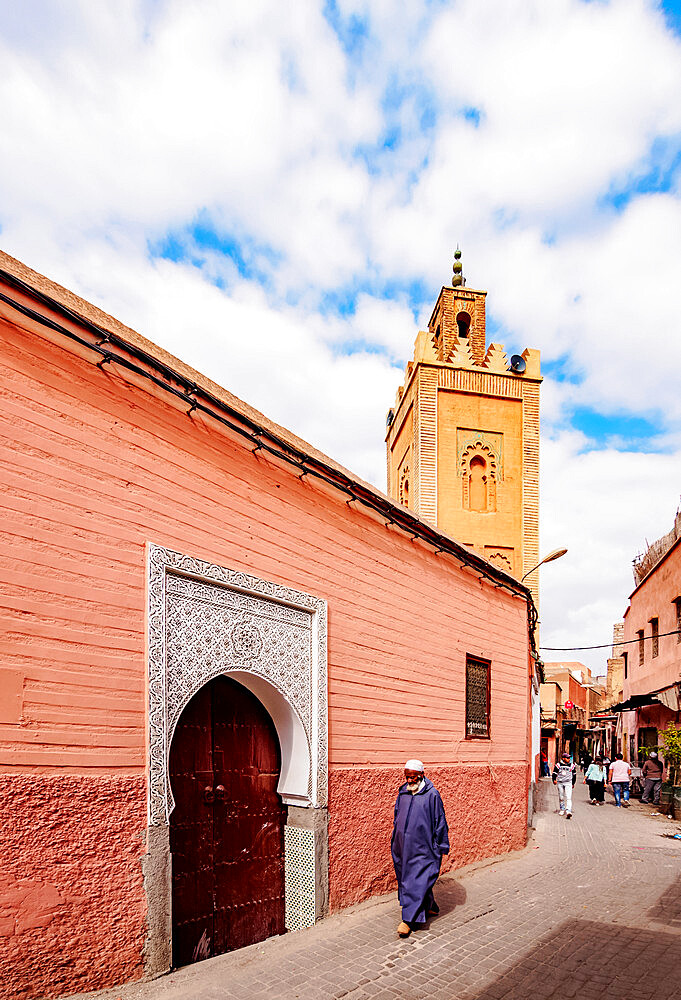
(273, 191)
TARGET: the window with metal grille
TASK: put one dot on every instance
(655, 627)
(625, 657)
(641, 646)
(677, 602)
(477, 698)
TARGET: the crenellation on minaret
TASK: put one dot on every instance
(461, 354)
(496, 359)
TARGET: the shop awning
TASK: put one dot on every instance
(636, 701)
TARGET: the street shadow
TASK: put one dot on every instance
(583, 958)
(449, 894)
(667, 910)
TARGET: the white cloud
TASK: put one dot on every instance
(563, 108)
(603, 505)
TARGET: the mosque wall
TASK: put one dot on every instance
(97, 465)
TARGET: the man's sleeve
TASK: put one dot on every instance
(441, 835)
(574, 774)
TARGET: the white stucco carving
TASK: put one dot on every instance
(206, 620)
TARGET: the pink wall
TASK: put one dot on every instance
(656, 716)
(95, 467)
(653, 599)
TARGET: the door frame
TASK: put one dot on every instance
(204, 620)
(214, 723)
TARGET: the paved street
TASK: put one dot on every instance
(591, 909)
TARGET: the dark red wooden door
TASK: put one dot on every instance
(227, 828)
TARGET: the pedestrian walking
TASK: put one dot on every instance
(564, 777)
(620, 772)
(545, 770)
(586, 760)
(652, 773)
(595, 778)
(420, 840)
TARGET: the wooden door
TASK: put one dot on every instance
(227, 828)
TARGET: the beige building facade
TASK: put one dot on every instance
(463, 436)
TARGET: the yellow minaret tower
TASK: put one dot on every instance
(463, 438)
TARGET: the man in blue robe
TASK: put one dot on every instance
(420, 839)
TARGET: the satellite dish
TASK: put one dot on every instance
(518, 364)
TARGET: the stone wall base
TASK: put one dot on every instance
(72, 905)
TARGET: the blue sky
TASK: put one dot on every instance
(274, 193)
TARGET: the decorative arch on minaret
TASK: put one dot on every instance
(405, 483)
(479, 473)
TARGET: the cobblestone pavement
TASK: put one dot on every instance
(591, 909)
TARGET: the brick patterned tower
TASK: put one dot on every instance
(463, 438)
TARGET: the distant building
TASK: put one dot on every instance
(551, 700)
(605, 728)
(570, 697)
(652, 646)
(615, 667)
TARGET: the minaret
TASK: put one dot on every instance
(463, 437)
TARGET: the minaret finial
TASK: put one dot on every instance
(458, 280)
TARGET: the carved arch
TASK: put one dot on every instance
(502, 561)
(405, 485)
(479, 450)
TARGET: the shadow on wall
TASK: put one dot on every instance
(545, 796)
(584, 958)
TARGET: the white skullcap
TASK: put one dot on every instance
(414, 765)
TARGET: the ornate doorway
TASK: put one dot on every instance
(210, 623)
(227, 828)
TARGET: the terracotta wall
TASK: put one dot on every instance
(94, 468)
(501, 530)
(72, 910)
(571, 689)
(653, 599)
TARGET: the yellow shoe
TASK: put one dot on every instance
(404, 930)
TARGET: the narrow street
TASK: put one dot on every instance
(591, 909)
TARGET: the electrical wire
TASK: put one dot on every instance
(608, 645)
